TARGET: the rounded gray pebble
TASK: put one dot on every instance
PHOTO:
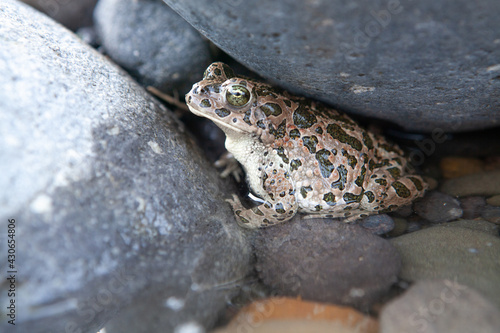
(483, 183)
(491, 213)
(441, 252)
(326, 260)
(438, 207)
(152, 42)
(377, 224)
(472, 206)
(433, 306)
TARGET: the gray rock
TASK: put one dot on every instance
(472, 206)
(438, 207)
(326, 260)
(491, 213)
(378, 224)
(477, 224)
(440, 306)
(483, 183)
(112, 200)
(411, 63)
(152, 42)
(73, 14)
(440, 252)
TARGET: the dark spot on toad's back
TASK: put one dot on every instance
(303, 118)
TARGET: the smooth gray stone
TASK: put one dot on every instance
(73, 14)
(463, 254)
(152, 42)
(433, 306)
(327, 261)
(438, 207)
(424, 65)
(112, 199)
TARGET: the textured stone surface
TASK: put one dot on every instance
(440, 306)
(412, 63)
(472, 206)
(326, 261)
(491, 213)
(438, 207)
(483, 183)
(73, 14)
(112, 199)
(440, 252)
(283, 314)
(494, 201)
(152, 42)
(378, 224)
(477, 224)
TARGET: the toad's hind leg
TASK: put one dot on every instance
(280, 203)
(385, 193)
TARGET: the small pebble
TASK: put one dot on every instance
(378, 224)
(472, 206)
(440, 306)
(483, 183)
(477, 224)
(494, 200)
(492, 214)
(327, 261)
(438, 207)
(467, 256)
(281, 314)
(453, 167)
(400, 227)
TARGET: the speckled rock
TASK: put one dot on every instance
(73, 14)
(152, 42)
(112, 200)
(327, 261)
(483, 183)
(378, 224)
(438, 207)
(472, 206)
(409, 62)
(440, 306)
(441, 252)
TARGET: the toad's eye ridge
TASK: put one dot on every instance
(237, 95)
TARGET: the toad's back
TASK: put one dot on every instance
(300, 155)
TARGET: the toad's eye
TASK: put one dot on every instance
(237, 95)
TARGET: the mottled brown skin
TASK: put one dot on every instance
(301, 156)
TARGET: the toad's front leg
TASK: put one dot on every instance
(280, 203)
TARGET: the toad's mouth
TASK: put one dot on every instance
(221, 124)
